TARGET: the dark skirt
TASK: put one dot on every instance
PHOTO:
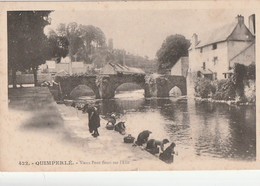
(151, 144)
(94, 122)
(167, 158)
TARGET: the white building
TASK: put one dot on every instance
(77, 67)
(215, 55)
(180, 68)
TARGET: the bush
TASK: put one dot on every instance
(251, 72)
(240, 72)
(225, 90)
(240, 87)
(250, 91)
(204, 87)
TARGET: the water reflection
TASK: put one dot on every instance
(224, 131)
(119, 106)
(204, 129)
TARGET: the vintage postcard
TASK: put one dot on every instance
(129, 86)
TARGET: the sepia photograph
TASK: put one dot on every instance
(129, 88)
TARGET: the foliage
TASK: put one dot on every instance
(239, 73)
(83, 40)
(204, 87)
(251, 72)
(173, 47)
(100, 57)
(99, 80)
(225, 90)
(103, 55)
(87, 43)
(58, 45)
(250, 91)
(148, 65)
(240, 87)
(238, 78)
(27, 43)
(151, 79)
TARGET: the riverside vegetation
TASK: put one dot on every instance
(238, 89)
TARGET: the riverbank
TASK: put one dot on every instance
(229, 102)
(40, 130)
(37, 130)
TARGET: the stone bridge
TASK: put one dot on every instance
(104, 86)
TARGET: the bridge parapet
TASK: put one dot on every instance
(104, 86)
(160, 85)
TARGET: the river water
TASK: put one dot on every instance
(203, 130)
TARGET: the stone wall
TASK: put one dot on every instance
(104, 86)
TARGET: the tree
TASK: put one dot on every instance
(58, 45)
(82, 40)
(238, 79)
(173, 47)
(27, 43)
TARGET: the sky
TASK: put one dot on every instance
(142, 32)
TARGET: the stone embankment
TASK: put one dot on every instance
(42, 130)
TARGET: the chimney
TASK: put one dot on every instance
(240, 19)
(194, 40)
(251, 23)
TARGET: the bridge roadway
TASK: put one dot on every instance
(104, 86)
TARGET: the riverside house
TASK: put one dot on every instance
(76, 67)
(214, 54)
(180, 68)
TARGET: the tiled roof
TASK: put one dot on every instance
(206, 71)
(125, 69)
(218, 35)
(231, 71)
(62, 73)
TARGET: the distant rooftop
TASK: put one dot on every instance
(224, 33)
(125, 69)
(217, 35)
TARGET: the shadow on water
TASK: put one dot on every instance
(176, 119)
(224, 131)
(109, 106)
(205, 129)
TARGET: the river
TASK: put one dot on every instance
(204, 130)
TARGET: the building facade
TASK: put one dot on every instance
(215, 55)
(181, 67)
(77, 67)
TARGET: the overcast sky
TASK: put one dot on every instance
(142, 32)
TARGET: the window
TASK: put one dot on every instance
(198, 74)
(215, 60)
(214, 46)
(204, 66)
(201, 50)
(215, 76)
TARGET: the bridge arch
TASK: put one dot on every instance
(67, 84)
(111, 83)
(104, 86)
(166, 83)
(175, 92)
(131, 88)
(82, 90)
